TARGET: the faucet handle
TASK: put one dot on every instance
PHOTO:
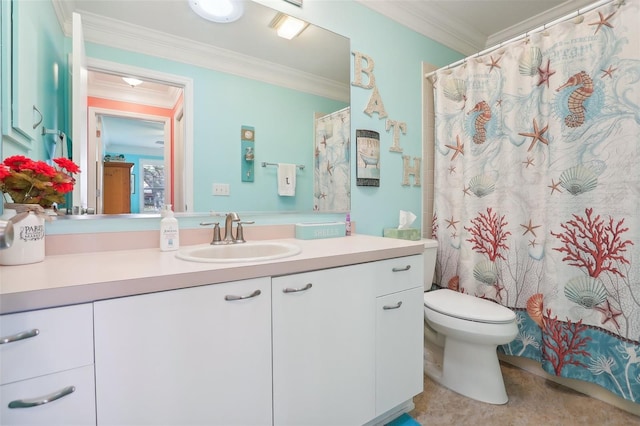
(216, 231)
(240, 233)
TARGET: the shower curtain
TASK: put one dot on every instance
(537, 192)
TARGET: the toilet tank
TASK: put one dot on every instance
(429, 257)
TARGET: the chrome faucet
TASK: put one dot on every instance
(240, 233)
(228, 227)
(216, 231)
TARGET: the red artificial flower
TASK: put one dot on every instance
(67, 164)
(43, 169)
(63, 187)
(36, 182)
(4, 172)
(16, 162)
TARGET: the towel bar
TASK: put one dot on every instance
(265, 164)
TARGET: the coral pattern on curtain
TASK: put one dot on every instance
(537, 192)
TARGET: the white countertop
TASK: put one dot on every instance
(87, 277)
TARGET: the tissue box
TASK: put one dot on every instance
(317, 230)
(412, 234)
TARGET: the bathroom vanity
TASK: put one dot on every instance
(333, 335)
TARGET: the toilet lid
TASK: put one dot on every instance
(464, 306)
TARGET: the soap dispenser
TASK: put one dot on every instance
(169, 232)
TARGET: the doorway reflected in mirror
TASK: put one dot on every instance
(137, 123)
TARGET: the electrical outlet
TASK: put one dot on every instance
(220, 189)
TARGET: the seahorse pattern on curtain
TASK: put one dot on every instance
(537, 192)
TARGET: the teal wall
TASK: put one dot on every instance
(49, 69)
(398, 53)
(223, 103)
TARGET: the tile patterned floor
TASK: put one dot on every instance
(532, 401)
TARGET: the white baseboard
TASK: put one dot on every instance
(589, 389)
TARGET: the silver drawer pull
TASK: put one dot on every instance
(231, 297)
(19, 336)
(396, 306)
(295, 290)
(28, 403)
(406, 268)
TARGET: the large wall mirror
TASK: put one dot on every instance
(235, 74)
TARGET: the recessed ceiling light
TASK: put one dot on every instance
(133, 82)
(287, 26)
(221, 11)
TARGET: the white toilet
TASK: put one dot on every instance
(462, 333)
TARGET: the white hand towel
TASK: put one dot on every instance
(286, 180)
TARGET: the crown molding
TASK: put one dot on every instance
(121, 35)
(113, 91)
(428, 19)
(547, 17)
(431, 21)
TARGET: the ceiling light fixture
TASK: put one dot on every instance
(287, 26)
(221, 11)
(133, 82)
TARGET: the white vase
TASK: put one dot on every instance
(28, 240)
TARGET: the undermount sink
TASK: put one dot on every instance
(253, 251)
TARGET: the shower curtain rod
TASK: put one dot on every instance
(521, 36)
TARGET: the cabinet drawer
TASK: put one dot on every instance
(45, 341)
(75, 407)
(393, 275)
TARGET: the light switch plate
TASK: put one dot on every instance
(220, 189)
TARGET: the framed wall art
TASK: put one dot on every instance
(368, 158)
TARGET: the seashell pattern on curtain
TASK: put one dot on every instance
(537, 192)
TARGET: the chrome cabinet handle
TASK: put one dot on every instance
(396, 306)
(37, 122)
(406, 268)
(28, 403)
(19, 336)
(231, 297)
(295, 290)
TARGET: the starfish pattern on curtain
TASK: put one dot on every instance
(537, 192)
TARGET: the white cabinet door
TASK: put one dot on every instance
(64, 399)
(399, 347)
(324, 347)
(20, 77)
(186, 357)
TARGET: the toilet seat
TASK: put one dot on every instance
(465, 307)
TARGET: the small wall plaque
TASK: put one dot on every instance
(247, 152)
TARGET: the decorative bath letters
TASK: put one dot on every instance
(375, 101)
(367, 164)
